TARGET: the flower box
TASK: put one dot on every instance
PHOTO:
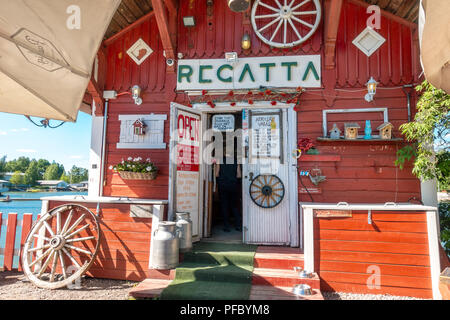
(129, 175)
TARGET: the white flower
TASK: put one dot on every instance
(130, 158)
(133, 166)
(139, 158)
(148, 159)
(111, 167)
(148, 168)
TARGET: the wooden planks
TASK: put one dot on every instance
(350, 252)
(9, 241)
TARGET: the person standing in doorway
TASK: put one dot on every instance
(227, 175)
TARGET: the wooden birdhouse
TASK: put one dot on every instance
(351, 130)
(385, 130)
(139, 127)
(335, 133)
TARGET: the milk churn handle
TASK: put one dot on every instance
(154, 232)
(178, 232)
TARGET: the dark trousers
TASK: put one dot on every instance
(229, 199)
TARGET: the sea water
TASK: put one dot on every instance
(21, 207)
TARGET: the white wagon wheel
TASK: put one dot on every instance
(287, 15)
(67, 237)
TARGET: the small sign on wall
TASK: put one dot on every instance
(332, 213)
(223, 122)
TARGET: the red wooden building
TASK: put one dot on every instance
(304, 68)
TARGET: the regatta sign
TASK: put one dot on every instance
(249, 73)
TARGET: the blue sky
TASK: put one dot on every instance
(68, 144)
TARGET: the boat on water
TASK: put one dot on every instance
(6, 199)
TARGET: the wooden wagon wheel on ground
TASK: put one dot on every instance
(267, 191)
(300, 16)
(67, 237)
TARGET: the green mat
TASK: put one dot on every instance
(213, 271)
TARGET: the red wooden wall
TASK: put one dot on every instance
(365, 171)
(124, 246)
(396, 242)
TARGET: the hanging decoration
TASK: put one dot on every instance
(274, 96)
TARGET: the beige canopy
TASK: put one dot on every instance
(47, 50)
(434, 26)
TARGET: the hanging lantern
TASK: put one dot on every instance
(238, 5)
(371, 89)
(246, 42)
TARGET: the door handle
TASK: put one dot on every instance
(250, 176)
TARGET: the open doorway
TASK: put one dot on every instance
(226, 208)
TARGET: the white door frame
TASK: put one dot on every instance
(202, 109)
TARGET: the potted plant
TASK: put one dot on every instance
(136, 169)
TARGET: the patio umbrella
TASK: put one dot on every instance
(434, 30)
(47, 49)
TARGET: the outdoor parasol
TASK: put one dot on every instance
(47, 50)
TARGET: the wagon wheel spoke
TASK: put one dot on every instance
(273, 15)
(302, 22)
(268, 7)
(76, 223)
(295, 29)
(78, 249)
(303, 13)
(299, 5)
(63, 264)
(71, 258)
(49, 229)
(80, 239)
(76, 232)
(269, 24)
(39, 259)
(45, 264)
(278, 3)
(55, 263)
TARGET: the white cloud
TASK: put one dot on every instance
(3, 133)
(26, 150)
(20, 129)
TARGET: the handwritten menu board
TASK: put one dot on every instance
(265, 131)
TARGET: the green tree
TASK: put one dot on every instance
(31, 174)
(20, 164)
(16, 178)
(52, 172)
(77, 174)
(429, 133)
(42, 164)
(2, 166)
(65, 178)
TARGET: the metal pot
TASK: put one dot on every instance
(165, 254)
(302, 273)
(302, 290)
(184, 225)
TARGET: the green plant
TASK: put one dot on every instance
(444, 217)
(135, 165)
(429, 136)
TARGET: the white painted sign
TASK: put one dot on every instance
(265, 136)
(249, 73)
(223, 122)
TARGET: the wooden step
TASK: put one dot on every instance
(149, 288)
(262, 292)
(168, 274)
(278, 257)
(283, 278)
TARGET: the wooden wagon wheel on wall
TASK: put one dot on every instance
(300, 16)
(65, 238)
(267, 191)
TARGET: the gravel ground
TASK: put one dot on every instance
(357, 296)
(15, 286)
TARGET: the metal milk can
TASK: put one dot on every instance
(184, 225)
(165, 246)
